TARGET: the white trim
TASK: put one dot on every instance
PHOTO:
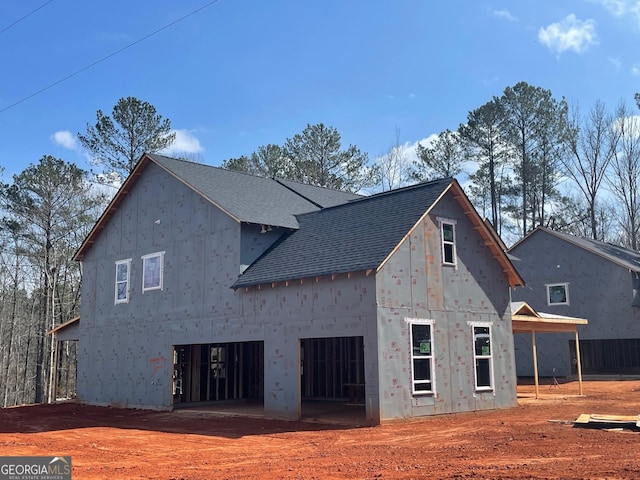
(484, 388)
(441, 223)
(559, 284)
(160, 285)
(422, 321)
(126, 262)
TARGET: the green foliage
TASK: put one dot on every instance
(50, 207)
(483, 143)
(118, 143)
(534, 126)
(442, 158)
(314, 157)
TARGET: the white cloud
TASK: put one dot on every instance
(621, 8)
(635, 70)
(615, 7)
(506, 14)
(569, 34)
(65, 139)
(616, 62)
(185, 142)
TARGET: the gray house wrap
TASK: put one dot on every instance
(280, 292)
(602, 286)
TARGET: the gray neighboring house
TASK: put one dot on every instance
(579, 277)
(202, 285)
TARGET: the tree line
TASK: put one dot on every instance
(525, 159)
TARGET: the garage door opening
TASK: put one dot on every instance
(332, 372)
(218, 372)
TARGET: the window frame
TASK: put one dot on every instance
(429, 357)
(127, 282)
(548, 287)
(480, 357)
(147, 258)
(445, 243)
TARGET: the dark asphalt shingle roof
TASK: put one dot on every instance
(351, 237)
(319, 195)
(249, 198)
(623, 256)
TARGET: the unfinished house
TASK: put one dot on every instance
(204, 285)
(579, 277)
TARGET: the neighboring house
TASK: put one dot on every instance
(202, 284)
(579, 277)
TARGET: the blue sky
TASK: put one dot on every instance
(237, 74)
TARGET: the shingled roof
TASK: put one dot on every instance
(356, 236)
(253, 199)
(624, 257)
(246, 198)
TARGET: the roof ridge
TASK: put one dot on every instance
(375, 196)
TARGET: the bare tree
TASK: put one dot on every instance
(624, 181)
(591, 144)
(394, 165)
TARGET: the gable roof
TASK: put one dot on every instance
(525, 319)
(245, 198)
(624, 257)
(359, 236)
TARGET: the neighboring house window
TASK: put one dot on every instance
(483, 356)
(558, 294)
(448, 237)
(421, 356)
(123, 276)
(152, 271)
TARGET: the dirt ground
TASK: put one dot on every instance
(533, 440)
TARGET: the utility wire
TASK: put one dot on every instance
(113, 54)
(26, 16)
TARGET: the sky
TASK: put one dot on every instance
(233, 75)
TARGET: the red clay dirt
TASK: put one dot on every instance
(533, 440)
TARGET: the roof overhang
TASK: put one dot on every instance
(64, 326)
(525, 319)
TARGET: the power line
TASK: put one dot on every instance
(113, 54)
(26, 16)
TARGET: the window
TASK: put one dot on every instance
(482, 356)
(123, 275)
(558, 294)
(152, 271)
(421, 356)
(448, 236)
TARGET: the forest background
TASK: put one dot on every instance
(525, 159)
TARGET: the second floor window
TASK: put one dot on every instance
(123, 277)
(558, 294)
(448, 238)
(152, 271)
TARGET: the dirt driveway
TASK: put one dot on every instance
(529, 441)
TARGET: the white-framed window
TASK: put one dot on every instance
(421, 338)
(482, 355)
(123, 277)
(152, 271)
(557, 293)
(448, 239)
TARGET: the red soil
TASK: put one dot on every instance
(533, 440)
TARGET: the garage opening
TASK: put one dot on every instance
(218, 372)
(332, 369)
(613, 356)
